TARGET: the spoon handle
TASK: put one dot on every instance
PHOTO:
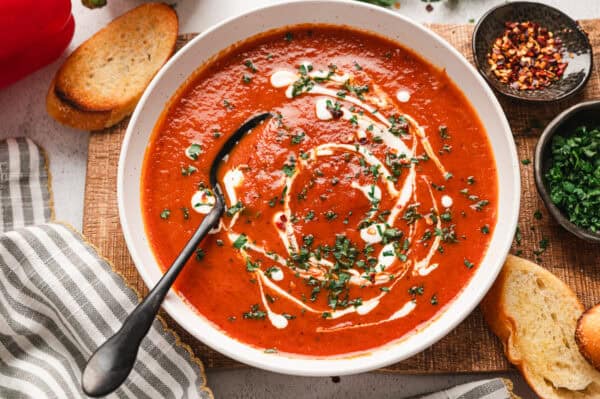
(112, 362)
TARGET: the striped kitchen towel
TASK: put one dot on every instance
(59, 300)
(496, 388)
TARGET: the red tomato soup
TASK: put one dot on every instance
(355, 214)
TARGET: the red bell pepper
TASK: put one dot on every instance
(34, 33)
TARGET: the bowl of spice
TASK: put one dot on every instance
(567, 169)
(531, 51)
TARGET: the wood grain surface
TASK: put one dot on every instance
(471, 347)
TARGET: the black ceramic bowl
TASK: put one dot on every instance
(582, 114)
(575, 42)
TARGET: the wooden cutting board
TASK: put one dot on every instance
(471, 347)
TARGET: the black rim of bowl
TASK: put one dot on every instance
(493, 85)
(544, 142)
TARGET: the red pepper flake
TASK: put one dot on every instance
(527, 56)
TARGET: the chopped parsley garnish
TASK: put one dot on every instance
(480, 205)
(518, 237)
(443, 129)
(447, 234)
(543, 246)
(250, 66)
(416, 290)
(252, 266)
(525, 161)
(573, 179)
(186, 213)
(485, 229)
(357, 66)
(298, 138)
(411, 215)
(537, 214)
(240, 241)
(448, 176)
(446, 216)
(165, 214)
(470, 180)
(246, 79)
(289, 169)
(188, 170)
(289, 36)
(273, 202)
(228, 105)
(385, 289)
(390, 234)
(194, 151)
(200, 254)
(308, 240)
(469, 264)
(305, 83)
(446, 148)
(427, 234)
(234, 209)
(271, 270)
(335, 108)
(359, 91)
(305, 69)
(309, 216)
(434, 300)
(283, 194)
(330, 215)
(399, 125)
(255, 313)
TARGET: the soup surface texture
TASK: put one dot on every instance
(355, 214)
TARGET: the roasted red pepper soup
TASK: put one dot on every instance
(355, 214)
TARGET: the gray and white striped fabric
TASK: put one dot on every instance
(24, 185)
(487, 389)
(59, 300)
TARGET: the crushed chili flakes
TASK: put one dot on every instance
(527, 56)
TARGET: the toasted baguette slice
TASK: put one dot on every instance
(109, 72)
(535, 314)
(588, 335)
(71, 116)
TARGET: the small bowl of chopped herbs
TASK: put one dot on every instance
(567, 169)
(532, 52)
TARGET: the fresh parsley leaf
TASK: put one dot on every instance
(240, 241)
(165, 214)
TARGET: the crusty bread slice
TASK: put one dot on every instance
(109, 72)
(535, 314)
(71, 116)
(587, 335)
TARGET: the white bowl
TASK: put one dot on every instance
(365, 17)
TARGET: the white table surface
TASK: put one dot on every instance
(22, 112)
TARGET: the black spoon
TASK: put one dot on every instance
(112, 362)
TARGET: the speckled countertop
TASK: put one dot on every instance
(22, 112)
